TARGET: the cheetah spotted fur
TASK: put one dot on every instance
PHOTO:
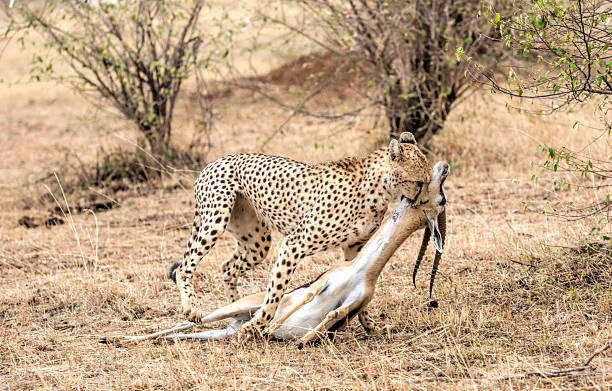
(316, 207)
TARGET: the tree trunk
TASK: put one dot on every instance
(404, 117)
(423, 118)
(158, 139)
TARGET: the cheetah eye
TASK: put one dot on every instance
(424, 202)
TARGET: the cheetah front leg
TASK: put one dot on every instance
(291, 251)
(351, 251)
(353, 248)
(370, 324)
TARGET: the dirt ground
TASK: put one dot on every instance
(518, 290)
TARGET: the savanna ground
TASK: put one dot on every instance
(518, 291)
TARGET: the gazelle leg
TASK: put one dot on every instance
(138, 338)
(335, 314)
(307, 298)
(215, 334)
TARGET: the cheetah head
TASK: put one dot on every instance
(409, 168)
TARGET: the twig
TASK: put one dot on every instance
(465, 269)
(521, 263)
(562, 371)
(551, 373)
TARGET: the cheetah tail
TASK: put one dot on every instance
(172, 272)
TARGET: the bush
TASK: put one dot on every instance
(133, 54)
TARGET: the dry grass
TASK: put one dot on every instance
(518, 291)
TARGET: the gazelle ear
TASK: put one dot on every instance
(394, 150)
(407, 137)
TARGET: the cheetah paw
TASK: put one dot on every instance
(243, 336)
(195, 316)
(250, 332)
(189, 306)
(386, 330)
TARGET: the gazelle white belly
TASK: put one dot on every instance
(339, 288)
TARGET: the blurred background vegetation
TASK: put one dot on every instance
(406, 64)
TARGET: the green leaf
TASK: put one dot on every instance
(459, 53)
(497, 17)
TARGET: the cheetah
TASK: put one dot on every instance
(331, 300)
(317, 207)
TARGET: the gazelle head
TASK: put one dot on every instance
(432, 201)
(410, 170)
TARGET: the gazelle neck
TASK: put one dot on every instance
(379, 249)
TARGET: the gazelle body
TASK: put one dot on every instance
(329, 302)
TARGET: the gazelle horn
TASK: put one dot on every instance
(422, 250)
(434, 269)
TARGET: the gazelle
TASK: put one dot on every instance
(330, 301)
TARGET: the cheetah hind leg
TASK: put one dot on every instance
(253, 241)
(201, 242)
(228, 276)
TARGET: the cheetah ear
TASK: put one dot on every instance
(407, 137)
(394, 150)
